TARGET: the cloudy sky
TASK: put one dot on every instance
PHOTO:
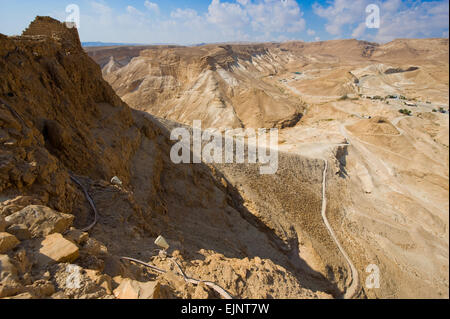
(197, 21)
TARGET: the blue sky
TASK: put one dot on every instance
(196, 21)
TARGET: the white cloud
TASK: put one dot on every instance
(152, 6)
(311, 32)
(426, 19)
(189, 14)
(262, 18)
(103, 13)
(133, 10)
(227, 15)
(341, 13)
(224, 20)
(399, 19)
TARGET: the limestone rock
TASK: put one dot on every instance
(7, 269)
(94, 247)
(103, 281)
(77, 236)
(132, 289)
(7, 242)
(25, 295)
(20, 231)
(42, 288)
(41, 220)
(9, 288)
(56, 249)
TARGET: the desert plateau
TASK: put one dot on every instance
(358, 207)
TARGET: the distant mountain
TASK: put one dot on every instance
(106, 44)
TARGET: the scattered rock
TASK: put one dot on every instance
(22, 262)
(59, 295)
(94, 247)
(56, 249)
(77, 236)
(8, 278)
(41, 220)
(20, 231)
(132, 289)
(7, 269)
(41, 288)
(25, 295)
(116, 181)
(7, 242)
(103, 281)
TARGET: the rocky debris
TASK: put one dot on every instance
(13, 205)
(77, 236)
(41, 220)
(100, 280)
(56, 249)
(8, 277)
(7, 269)
(116, 181)
(94, 247)
(7, 242)
(132, 289)
(41, 288)
(21, 231)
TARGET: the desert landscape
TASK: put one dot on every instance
(87, 183)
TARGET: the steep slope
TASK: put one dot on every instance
(62, 126)
(222, 85)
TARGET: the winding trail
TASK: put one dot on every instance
(354, 287)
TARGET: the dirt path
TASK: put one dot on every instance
(354, 287)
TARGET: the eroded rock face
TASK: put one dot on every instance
(41, 221)
(7, 242)
(221, 85)
(56, 249)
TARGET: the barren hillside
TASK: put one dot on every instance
(339, 101)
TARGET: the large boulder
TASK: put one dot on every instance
(41, 220)
(56, 249)
(7, 242)
(20, 231)
(132, 289)
(7, 269)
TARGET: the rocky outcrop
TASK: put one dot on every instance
(7, 242)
